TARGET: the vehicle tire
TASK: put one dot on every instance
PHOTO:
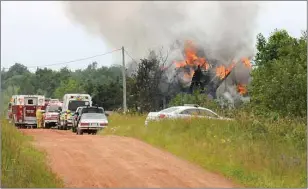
(65, 125)
(94, 132)
(79, 132)
(59, 125)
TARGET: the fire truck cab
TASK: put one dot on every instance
(51, 115)
(23, 108)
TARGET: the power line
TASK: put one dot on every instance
(130, 56)
(71, 61)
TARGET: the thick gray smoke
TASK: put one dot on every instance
(225, 30)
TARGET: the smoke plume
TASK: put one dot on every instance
(224, 29)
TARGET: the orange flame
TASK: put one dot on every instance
(241, 89)
(191, 59)
(180, 64)
(222, 71)
(246, 62)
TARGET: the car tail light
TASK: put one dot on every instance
(162, 116)
(84, 124)
(103, 124)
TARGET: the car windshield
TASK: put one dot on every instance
(74, 104)
(168, 110)
(92, 110)
(93, 116)
(52, 108)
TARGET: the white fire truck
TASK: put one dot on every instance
(23, 109)
(70, 103)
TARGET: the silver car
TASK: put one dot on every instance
(91, 123)
(185, 111)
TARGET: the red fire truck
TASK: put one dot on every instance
(23, 109)
(51, 114)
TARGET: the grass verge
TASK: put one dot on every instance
(23, 166)
(250, 152)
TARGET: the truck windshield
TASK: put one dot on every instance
(52, 108)
(74, 104)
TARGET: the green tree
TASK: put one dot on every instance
(279, 82)
(147, 83)
(70, 86)
(46, 81)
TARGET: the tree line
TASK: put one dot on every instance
(279, 81)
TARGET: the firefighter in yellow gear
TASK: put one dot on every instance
(67, 115)
(39, 117)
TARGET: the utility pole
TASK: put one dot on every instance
(1, 93)
(124, 82)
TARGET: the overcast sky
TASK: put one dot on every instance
(38, 33)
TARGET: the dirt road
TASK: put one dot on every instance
(113, 161)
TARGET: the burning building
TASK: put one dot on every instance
(208, 75)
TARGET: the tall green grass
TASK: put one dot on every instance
(22, 166)
(254, 153)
